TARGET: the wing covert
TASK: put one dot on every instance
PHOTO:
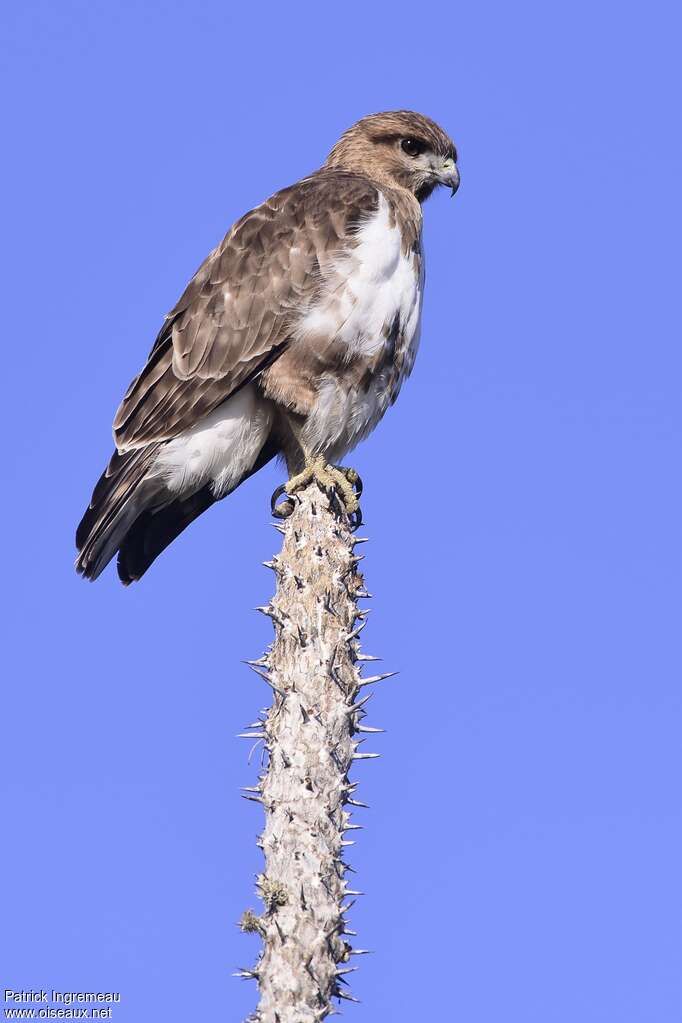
(237, 312)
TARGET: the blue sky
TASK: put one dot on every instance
(523, 499)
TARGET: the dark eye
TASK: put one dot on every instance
(412, 147)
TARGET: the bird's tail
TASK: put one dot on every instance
(122, 493)
(152, 531)
(133, 512)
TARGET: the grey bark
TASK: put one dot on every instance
(311, 736)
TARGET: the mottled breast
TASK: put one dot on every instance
(366, 319)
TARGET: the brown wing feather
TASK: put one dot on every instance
(236, 314)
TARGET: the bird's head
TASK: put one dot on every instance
(399, 148)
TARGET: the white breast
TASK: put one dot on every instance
(366, 292)
(366, 288)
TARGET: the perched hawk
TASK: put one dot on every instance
(292, 338)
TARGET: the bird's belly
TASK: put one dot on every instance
(343, 416)
(351, 400)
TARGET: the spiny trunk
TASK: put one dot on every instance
(310, 736)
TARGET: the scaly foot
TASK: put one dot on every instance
(343, 483)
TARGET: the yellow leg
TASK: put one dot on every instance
(345, 483)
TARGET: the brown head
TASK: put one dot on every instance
(399, 148)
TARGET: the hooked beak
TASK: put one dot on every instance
(448, 175)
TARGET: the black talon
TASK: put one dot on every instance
(353, 477)
(273, 500)
(285, 508)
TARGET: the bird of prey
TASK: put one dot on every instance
(292, 339)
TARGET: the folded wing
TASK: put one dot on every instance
(236, 316)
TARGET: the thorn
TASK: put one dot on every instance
(359, 703)
(280, 692)
(365, 756)
(354, 827)
(360, 539)
(348, 997)
(349, 969)
(261, 662)
(253, 799)
(356, 802)
(366, 728)
(270, 613)
(258, 670)
(361, 952)
(266, 678)
(247, 974)
(280, 529)
(250, 788)
(346, 930)
(356, 632)
(347, 842)
(366, 657)
(251, 735)
(349, 891)
(270, 564)
(364, 594)
(363, 613)
(328, 606)
(374, 678)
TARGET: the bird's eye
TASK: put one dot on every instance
(412, 147)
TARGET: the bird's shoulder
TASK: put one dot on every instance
(282, 240)
(327, 193)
